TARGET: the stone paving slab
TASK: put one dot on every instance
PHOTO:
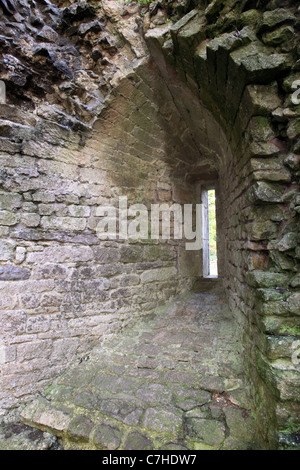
(17, 436)
(173, 380)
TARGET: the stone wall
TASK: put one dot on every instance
(241, 64)
(135, 103)
(62, 288)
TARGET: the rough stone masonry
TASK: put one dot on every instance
(107, 99)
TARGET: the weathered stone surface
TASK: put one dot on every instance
(7, 250)
(288, 242)
(8, 218)
(48, 34)
(271, 19)
(161, 274)
(263, 99)
(31, 220)
(265, 192)
(136, 441)
(41, 413)
(293, 130)
(262, 67)
(61, 254)
(20, 254)
(43, 196)
(12, 273)
(107, 437)
(79, 429)
(279, 36)
(294, 303)
(16, 436)
(188, 399)
(241, 424)
(63, 223)
(155, 401)
(163, 419)
(10, 201)
(267, 279)
(205, 431)
(280, 346)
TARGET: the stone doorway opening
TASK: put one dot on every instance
(209, 225)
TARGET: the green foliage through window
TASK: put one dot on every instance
(212, 224)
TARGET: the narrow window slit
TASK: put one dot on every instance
(210, 257)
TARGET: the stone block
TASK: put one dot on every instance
(50, 271)
(137, 441)
(12, 273)
(262, 230)
(20, 254)
(285, 382)
(265, 192)
(293, 130)
(9, 218)
(44, 197)
(63, 223)
(30, 220)
(275, 18)
(7, 249)
(79, 429)
(275, 325)
(38, 324)
(279, 36)
(262, 99)
(267, 279)
(294, 303)
(131, 254)
(160, 274)
(34, 350)
(265, 68)
(92, 176)
(79, 211)
(62, 170)
(279, 347)
(10, 201)
(46, 417)
(263, 149)
(288, 242)
(106, 255)
(61, 254)
(163, 420)
(107, 437)
(66, 348)
(48, 34)
(205, 431)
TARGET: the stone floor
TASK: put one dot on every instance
(18, 436)
(172, 381)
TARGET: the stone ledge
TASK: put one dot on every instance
(208, 284)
